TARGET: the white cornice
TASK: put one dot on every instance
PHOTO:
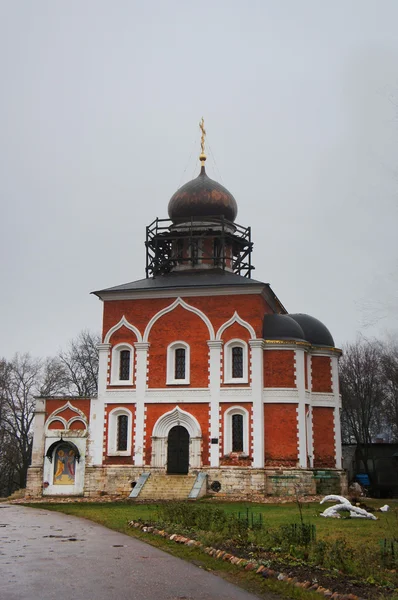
(184, 292)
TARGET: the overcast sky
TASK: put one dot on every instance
(99, 109)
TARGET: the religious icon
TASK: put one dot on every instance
(64, 465)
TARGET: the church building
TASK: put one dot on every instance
(207, 385)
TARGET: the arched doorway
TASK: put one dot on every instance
(178, 450)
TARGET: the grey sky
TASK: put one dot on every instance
(99, 109)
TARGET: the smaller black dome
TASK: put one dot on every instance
(281, 327)
(315, 331)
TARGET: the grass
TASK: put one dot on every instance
(351, 545)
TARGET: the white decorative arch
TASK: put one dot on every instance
(174, 417)
(160, 433)
(236, 319)
(56, 416)
(123, 322)
(179, 302)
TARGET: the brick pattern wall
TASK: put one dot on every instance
(321, 374)
(280, 435)
(82, 404)
(179, 325)
(323, 432)
(279, 368)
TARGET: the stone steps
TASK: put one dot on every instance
(167, 487)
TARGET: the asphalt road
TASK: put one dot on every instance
(51, 556)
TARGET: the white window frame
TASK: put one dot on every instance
(115, 365)
(112, 431)
(236, 410)
(171, 355)
(228, 362)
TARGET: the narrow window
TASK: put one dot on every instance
(237, 362)
(179, 367)
(194, 245)
(180, 251)
(237, 433)
(122, 427)
(124, 365)
(217, 252)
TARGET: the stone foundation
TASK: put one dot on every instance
(235, 482)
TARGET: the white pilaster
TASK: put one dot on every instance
(301, 418)
(257, 384)
(337, 402)
(215, 347)
(38, 433)
(97, 410)
(141, 349)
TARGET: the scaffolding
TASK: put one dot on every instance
(214, 242)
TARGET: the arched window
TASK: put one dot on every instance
(236, 430)
(122, 433)
(122, 365)
(178, 364)
(237, 433)
(119, 432)
(236, 362)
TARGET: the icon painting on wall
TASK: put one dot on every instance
(64, 465)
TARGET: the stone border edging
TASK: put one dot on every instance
(243, 563)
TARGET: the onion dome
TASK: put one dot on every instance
(315, 332)
(202, 197)
(281, 327)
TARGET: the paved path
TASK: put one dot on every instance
(46, 555)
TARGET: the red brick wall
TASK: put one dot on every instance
(199, 411)
(321, 374)
(323, 435)
(224, 406)
(236, 331)
(185, 326)
(218, 309)
(117, 460)
(279, 367)
(82, 404)
(280, 435)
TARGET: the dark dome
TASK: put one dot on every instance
(202, 197)
(281, 327)
(315, 332)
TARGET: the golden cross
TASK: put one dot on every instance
(202, 141)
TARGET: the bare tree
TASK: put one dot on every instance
(389, 363)
(80, 363)
(363, 395)
(19, 383)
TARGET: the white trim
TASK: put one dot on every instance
(115, 364)
(112, 431)
(228, 361)
(235, 319)
(122, 323)
(177, 416)
(171, 357)
(192, 293)
(171, 307)
(235, 410)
